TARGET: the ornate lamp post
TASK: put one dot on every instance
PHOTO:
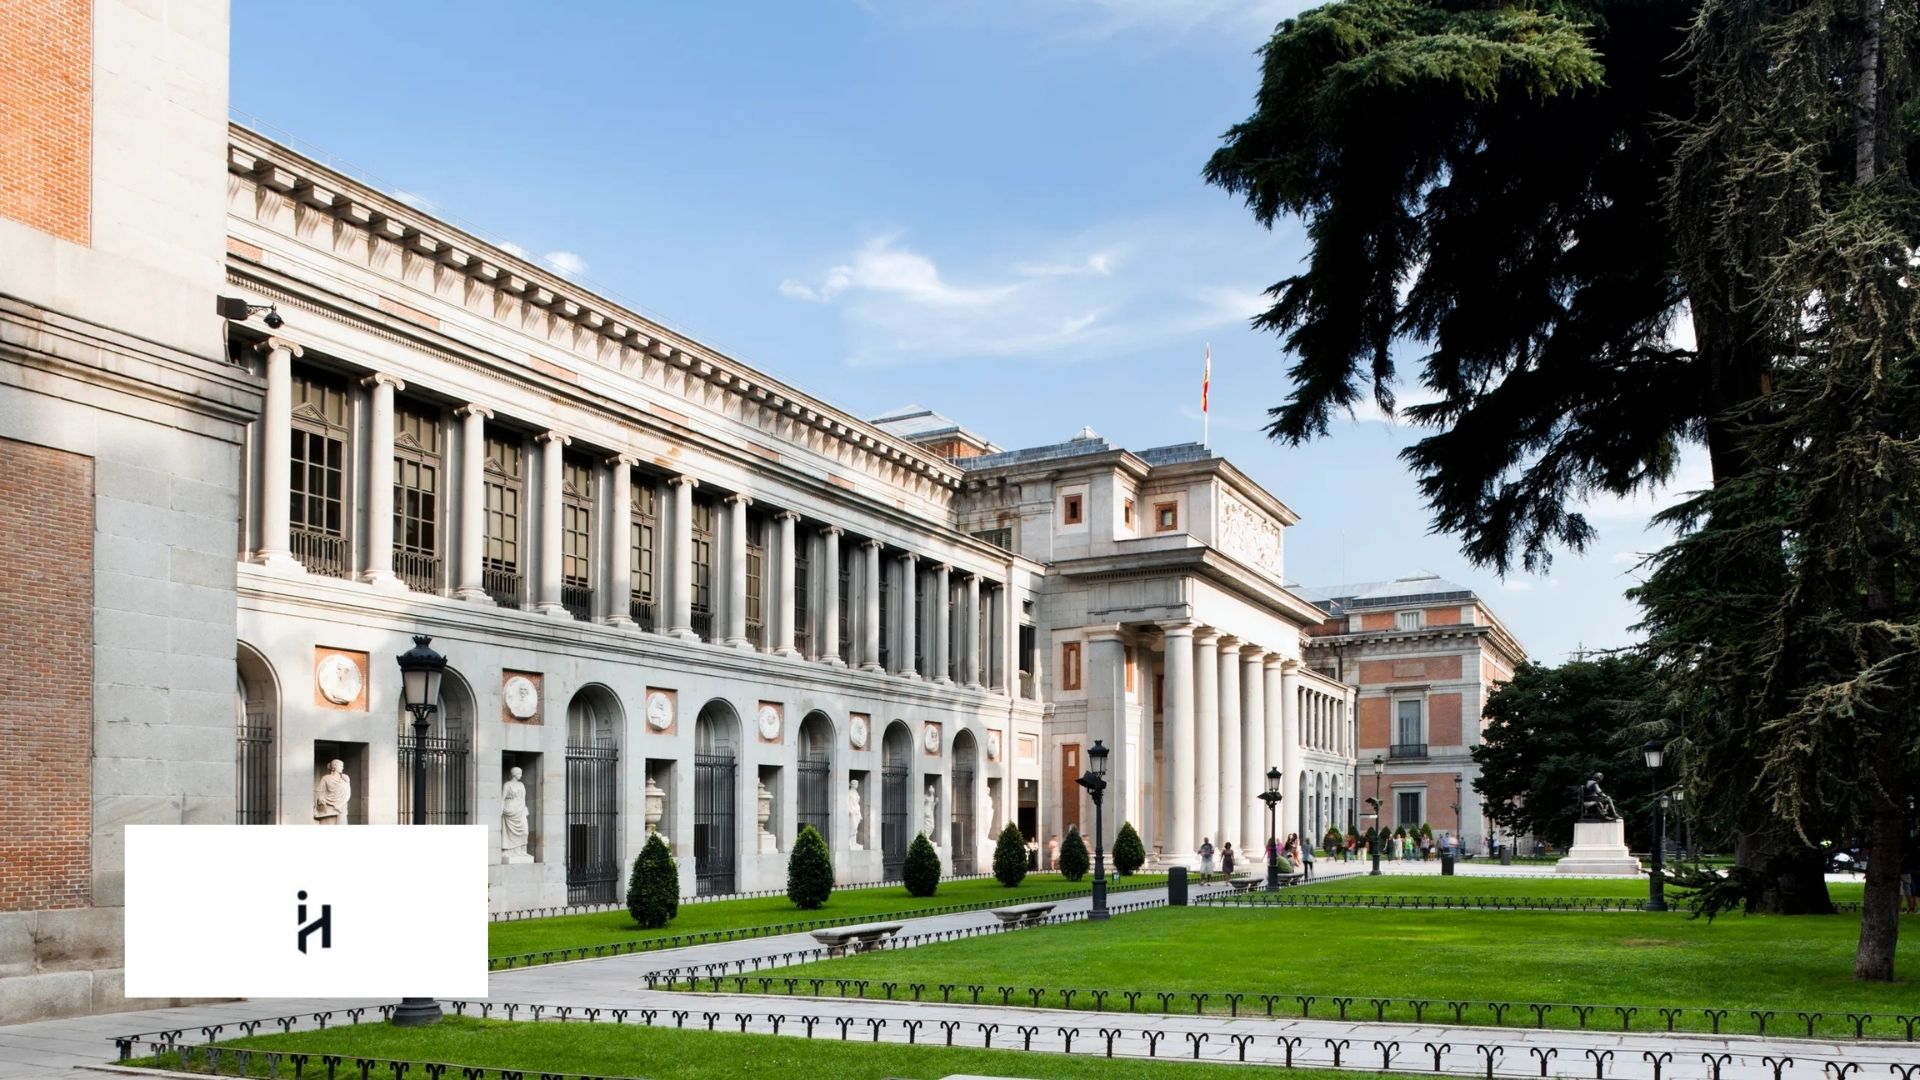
(1379, 770)
(1686, 828)
(1095, 781)
(1655, 752)
(1272, 797)
(420, 672)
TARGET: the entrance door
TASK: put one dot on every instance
(896, 796)
(713, 780)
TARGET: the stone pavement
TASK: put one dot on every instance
(54, 1048)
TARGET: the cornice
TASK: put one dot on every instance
(611, 328)
(1207, 562)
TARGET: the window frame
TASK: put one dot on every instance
(1073, 509)
(1070, 666)
(418, 442)
(1414, 619)
(1161, 522)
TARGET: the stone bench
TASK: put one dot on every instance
(1022, 914)
(1252, 884)
(844, 939)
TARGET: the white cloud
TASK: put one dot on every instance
(564, 263)
(1074, 299)
(1693, 473)
(516, 250)
(1516, 585)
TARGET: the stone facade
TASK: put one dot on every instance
(1422, 654)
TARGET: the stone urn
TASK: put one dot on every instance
(656, 807)
(764, 815)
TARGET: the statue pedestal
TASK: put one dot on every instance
(1600, 848)
(515, 858)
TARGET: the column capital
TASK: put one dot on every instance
(554, 437)
(1251, 652)
(467, 410)
(614, 461)
(738, 497)
(1113, 632)
(787, 515)
(682, 480)
(1229, 643)
(381, 378)
(279, 344)
(1177, 628)
(943, 568)
(832, 530)
(909, 557)
(1205, 635)
(871, 542)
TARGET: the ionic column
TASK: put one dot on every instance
(909, 604)
(869, 658)
(1273, 668)
(1231, 760)
(736, 633)
(546, 594)
(1106, 686)
(276, 460)
(783, 627)
(680, 559)
(973, 632)
(379, 565)
(1291, 723)
(618, 531)
(1253, 747)
(942, 659)
(1177, 732)
(469, 580)
(997, 649)
(829, 636)
(1206, 735)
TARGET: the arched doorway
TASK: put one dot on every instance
(716, 738)
(896, 799)
(593, 796)
(255, 760)
(966, 756)
(446, 753)
(815, 773)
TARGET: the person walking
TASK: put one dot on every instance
(1306, 858)
(1206, 859)
(1226, 860)
(1053, 852)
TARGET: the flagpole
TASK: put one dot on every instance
(1206, 402)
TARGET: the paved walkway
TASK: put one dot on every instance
(55, 1048)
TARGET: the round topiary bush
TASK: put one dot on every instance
(809, 870)
(1073, 857)
(1010, 857)
(653, 889)
(922, 869)
(1129, 854)
(1335, 840)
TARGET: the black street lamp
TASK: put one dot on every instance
(1655, 752)
(1272, 797)
(1379, 770)
(420, 672)
(1095, 781)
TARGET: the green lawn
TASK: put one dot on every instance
(1640, 959)
(522, 936)
(1473, 885)
(671, 1054)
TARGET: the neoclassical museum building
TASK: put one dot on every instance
(679, 595)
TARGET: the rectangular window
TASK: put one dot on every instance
(756, 579)
(885, 608)
(1126, 513)
(505, 496)
(1070, 666)
(576, 536)
(1409, 729)
(1071, 510)
(416, 495)
(1166, 516)
(1407, 805)
(317, 486)
(1000, 538)
(703, 567)
(1409, 620)
(802, 589)
(920, 635)
(644, 533)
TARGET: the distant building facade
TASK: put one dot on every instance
(1421, 654)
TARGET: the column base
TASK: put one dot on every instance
(788, 652)
(831, 661)
(553, 611)
(384, 580)
(975, 686)
(682, 633)
(620, 620)
(942, 680)
(475, 596)
(914, 675)
(280, 562)
(742, 644)
(875, 669)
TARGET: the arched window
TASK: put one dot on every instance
(966, 757)
(816, 773)
(716, 735)
(593, 796)
(896, 799)
(254, 759)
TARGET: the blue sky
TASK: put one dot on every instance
(992, 209)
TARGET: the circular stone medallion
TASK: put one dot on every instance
(933, 738)
(769, 723)
(993, 746)
(659, 711)
(857, 732)
(522, 697)
(339, 679)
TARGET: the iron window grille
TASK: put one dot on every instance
(416, 496)
(576, 537)
(505, 494)
(253, 761)
(593, 805)
(317, 500)
(445, 752)
(815, 774)
(713, 786)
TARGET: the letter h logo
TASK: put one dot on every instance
(324, 924)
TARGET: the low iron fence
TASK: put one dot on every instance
(1299, 898)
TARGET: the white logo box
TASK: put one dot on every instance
(213, 910)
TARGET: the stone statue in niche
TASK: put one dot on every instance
(764, 798)
(986, 823)
(855, 816)
(929, 814)
(331, 794)
(513, 819)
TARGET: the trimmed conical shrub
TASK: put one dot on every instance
(1010, 857)
(1335, 839)
(653, 889)
(1073, 857)
(809, 870)
(922, 868)
(1129, 854)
